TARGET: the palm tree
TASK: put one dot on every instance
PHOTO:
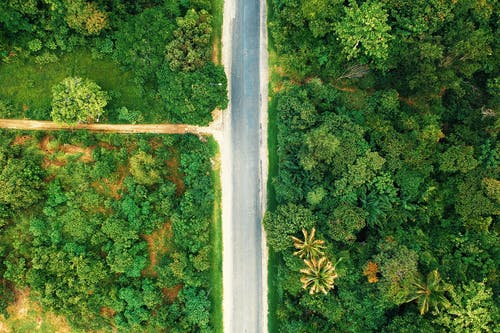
(318, 276)
(309, 247)
(430, 294)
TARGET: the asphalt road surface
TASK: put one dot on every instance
(246, 263)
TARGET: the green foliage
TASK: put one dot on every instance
(285, 222)
(139, 41)
(144, 168)
(386, 134)
(364, 32)
(190, 48)
(43, 42)
(398, 266)
(472, 309)
(77, 100)
(458, 159)
(319, 275)
(346, 221)
(430, 294)
(85, 17)
(190, 97)
(21, 179)
(80, 244)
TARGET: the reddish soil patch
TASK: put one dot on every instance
(171, 293)
(21, 140)
(175, 175)
(112, 188)
(106, 145)
(408, 101)
(155, 143)
(72, 149)
(67, 149)
(158, 244)
(107, 312)
(48, 163)
(346, 89)
(44, 144)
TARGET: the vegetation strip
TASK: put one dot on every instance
(93, 223)
(384, 159)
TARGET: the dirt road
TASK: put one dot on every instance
(39, 125)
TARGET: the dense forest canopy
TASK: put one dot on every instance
(111, 231)
(385, 121)
(155, 58)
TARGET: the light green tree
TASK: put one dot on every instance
(77, 100)
(472, 310)
(364, 32)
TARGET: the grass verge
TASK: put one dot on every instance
(273, 296)
(216, 236)
(218, 13)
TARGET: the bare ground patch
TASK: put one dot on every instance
(51, 148)
(174, 173)
(72, 150)
(26, 315)
(171, 293)
(21, 139)
(158, 245)
(110, 187)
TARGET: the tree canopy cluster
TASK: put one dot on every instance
(386, 127)
(158, 41)
(77, 100)
(111, 231)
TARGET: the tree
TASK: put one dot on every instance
(286, 221)
(144, 168)
(309, 247)
(472, 309)
(190, 48)
(318, 276)
(85, 17)
(364, 32)
(346, 221)
(77, 100)
(430, 294)
(398, 267)
(21, 182)
(320, 147)
(458, 158)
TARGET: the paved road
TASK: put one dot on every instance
(246, 265)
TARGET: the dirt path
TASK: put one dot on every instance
(38, 125)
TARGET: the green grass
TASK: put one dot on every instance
(216, 237)
(218, 13)
(28, 85)
(273, 295)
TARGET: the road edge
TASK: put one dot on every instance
(228, 17)
(264, 162)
